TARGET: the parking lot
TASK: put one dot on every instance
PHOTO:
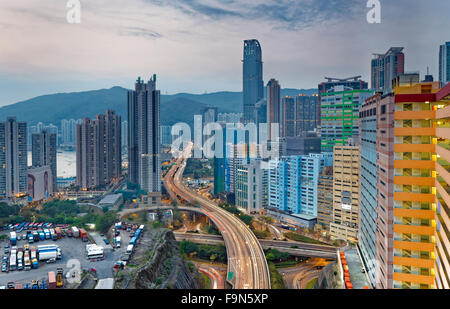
(71, 249)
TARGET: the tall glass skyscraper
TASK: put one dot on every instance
(253, 86)
(444, 63)
(13, 158)
(144, 166)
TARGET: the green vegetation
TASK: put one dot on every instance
(197, 169)
(282, 259)
(276, 279)
(261, 234)
(211, 229)
(233, 209)
(213, 253)
(302, 238)
(9, 214)
(204, 282)
(310, 284)
(59, 212)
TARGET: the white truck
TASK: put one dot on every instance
(130, 249)
(47, 252)
(117, 241)
(75, 232)
(13, 260)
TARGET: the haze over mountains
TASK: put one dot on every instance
(175, 108)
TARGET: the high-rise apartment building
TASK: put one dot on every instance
(444, 63)
(124, 137)
(144, 166)
(253, 85)
(166, 135)
(99, 157)
(354, 83)
(368, 184)
(251, 193)
(273, 104)
(13, 158)
(340, 115)
(293, 182)
(386, 67)
(346, 180)
(68, 131)
(306, 117)
(421, 182)
(325, 198)
(44, 152)
(288, 116)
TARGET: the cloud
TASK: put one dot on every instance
(196, 45)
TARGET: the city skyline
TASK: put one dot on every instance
(192, 25)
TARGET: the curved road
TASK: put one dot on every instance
(246, 259)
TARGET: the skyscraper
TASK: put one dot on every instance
(444, 63)
(325, 198)
(368, 184)
(306, 118)
(44, 152)
(13, 158)
(354, 83)
(251, 187)
(273, 104)
(345, 220)
(253, 85)
(293, 182)
(340, 115)
(99, 156)
(385, 67)
(288, 116)
(144, 166)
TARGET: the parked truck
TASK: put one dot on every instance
(47, 234)
(83, 235)
(41, 235)
(59, 277)
(30, 237)
(51, 280)
(33, 256)
(47, 252)
(26, 260)
(58, 233)
(75, 232)
(117, 241)
(13, 238)
(13, 261)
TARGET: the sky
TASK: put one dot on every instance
(196, 46)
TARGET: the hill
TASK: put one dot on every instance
(175, 108)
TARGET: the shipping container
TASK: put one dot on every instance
(51, 280)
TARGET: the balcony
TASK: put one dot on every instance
(414, 132)
(414, 181)
(414, 213)
(413, 245)
(414, 148)
(411, 115)
(414, 229)
(414, 197)
(415, 278)
(414, 262)
(420, 164)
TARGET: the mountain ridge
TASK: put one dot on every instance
(179, 107)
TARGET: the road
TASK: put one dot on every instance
(246, 259)
(298, 277)
(291, 247)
